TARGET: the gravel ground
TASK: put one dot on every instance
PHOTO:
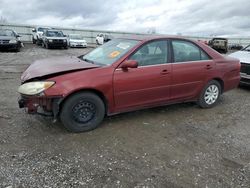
(173, 146)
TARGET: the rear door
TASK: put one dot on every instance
(191, 67)
(147, 84)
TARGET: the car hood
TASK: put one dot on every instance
(243, 56)
(55, 65)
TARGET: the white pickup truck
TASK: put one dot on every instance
(37, 34)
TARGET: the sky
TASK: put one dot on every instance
(185, 17)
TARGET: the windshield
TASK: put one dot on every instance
(110, 52)
(76, 37)
(247, 48)
(41, 29)
(54, 34)
(7, 33)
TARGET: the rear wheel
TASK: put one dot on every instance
(82, 112)
(210, 94)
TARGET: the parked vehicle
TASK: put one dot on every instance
(235, 47)
(37, 34)
(76, 40)
(203, 41)
(244, 57)
(126, 74)
(10, 40)
(102, 38)
(219, 44)
(54, 38)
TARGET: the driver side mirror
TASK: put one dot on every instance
(129, 64)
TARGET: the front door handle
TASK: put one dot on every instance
(165, 71)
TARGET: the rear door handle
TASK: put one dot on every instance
(209, 67)
(165, 71)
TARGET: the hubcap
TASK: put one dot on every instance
(83, 112)
(211, 94)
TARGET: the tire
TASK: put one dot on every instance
(33, 41)
(97, 42)
(66, 47)
(46, 46)
(82, 112)
(207, 100)
(43, 46)
(18, 49)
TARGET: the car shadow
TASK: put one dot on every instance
(245, 87)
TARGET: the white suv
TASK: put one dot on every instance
(37, 34)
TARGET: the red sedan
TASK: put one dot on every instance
(126, 74)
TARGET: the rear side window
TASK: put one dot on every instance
(187, 51)
(152, 53)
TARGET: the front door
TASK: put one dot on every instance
(147, 84)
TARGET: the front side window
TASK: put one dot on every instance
(152, 53)
(187, 51)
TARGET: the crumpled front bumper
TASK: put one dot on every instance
(40, 105)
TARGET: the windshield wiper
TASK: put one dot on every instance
(88, 60)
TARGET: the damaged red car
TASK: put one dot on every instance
(126, 74)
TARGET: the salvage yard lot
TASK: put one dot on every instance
(173, 146)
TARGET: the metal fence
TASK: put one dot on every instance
(26, 33)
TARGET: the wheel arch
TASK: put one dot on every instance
(221, 82)
(94, 91)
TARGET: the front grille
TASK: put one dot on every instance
(245, 68)
(4, 41)
(58, 41)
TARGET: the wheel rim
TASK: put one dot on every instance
(211, 94)
(83, 112)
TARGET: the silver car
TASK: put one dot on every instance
(244, 57)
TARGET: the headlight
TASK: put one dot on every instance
(50, 40)
(34, 88)
(64, 40)
(13, 41)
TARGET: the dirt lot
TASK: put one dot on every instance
(174, 146)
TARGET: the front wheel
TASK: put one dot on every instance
(82, 112)
(210, 94)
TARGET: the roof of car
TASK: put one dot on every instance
(53, 30)
(151, 37)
